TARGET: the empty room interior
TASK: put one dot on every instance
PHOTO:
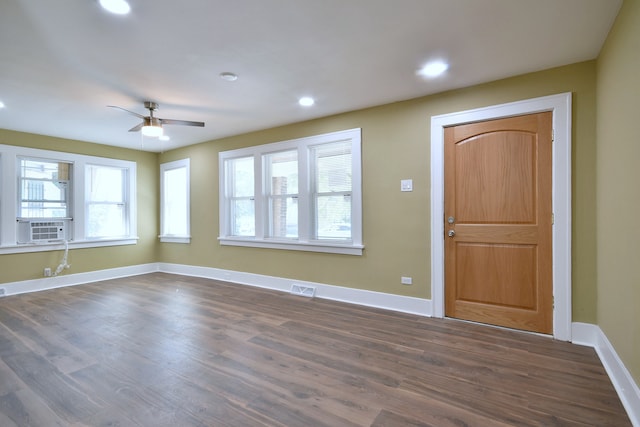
(336, 213)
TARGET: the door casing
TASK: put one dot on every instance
(560, 106)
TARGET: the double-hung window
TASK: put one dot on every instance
(281, 185)
(240, 201)
(303, 194)
(44, 188)
(106, 201)
(174, 202)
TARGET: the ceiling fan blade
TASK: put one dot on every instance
(136, 128)
(181, 122)
(130, 112)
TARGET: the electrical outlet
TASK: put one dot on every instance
(47, 272)
(406, 280)
(3, 292)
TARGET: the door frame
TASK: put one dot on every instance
(560, 105)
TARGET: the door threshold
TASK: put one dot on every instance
(504, 328)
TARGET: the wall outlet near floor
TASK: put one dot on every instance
(406, 280)
(3, 292)
(47, 272)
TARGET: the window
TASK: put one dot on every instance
(281, 171)
(302, 194)
(174, 202)
(106, 201)
(47, 197)
(44, 187)
(241, 199)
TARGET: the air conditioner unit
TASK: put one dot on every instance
(38, 231)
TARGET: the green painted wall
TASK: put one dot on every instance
(618, 181)
(17, 267)
(396, 225)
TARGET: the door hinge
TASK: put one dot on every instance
(553, 218)
(553, 135)
(553, 302)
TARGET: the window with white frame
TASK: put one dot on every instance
(47, 197)
(302, 194)
(106, 201)
(174, 202)
(240, 200)
(44, 188)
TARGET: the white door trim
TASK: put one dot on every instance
(560, 105)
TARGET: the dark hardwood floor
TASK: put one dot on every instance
(165, 350)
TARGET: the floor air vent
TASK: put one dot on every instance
(305, 291)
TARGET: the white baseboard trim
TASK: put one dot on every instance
(592, 336)
(412, 305)
(45, 283)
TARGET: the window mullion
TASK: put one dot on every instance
(304, 186)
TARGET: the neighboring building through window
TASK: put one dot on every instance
(303, 194)
(174, 202)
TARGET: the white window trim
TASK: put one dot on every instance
(353, 247)
(9, 197)
(177, 164)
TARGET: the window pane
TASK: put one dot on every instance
(241, 177)
(44, 189)
(333, 167)
(282, 169)
(175, 199)
(333, 217)
(242, 217)
(284, 217)
(106, 220)
(105, 184)
(43, 210)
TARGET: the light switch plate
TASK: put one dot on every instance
(406, 185)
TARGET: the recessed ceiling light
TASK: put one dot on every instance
(306, 101)
(230, 77)
(433, 69)
(120, 7)
(2, 104)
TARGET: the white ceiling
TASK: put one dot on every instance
(62, 62)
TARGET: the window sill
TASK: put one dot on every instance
(73, 244)
(326, 247)
(175, 239)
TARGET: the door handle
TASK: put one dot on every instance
(451, 233)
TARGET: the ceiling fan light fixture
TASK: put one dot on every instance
(152, 131)
(152, 127)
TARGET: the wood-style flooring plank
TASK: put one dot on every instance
(167, 350)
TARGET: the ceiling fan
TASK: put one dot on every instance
(152, 126)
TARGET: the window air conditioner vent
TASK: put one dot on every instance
(34, 231)
(47, 230)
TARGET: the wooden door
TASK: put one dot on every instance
(498, 220)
